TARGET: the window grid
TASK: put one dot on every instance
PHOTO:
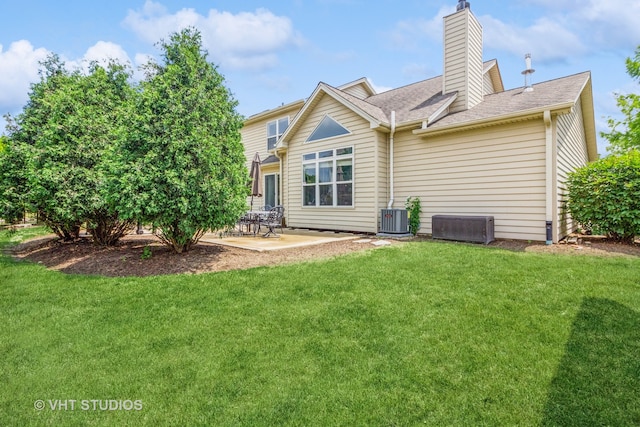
(327, 178)
(275, 129)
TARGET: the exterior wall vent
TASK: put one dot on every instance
(394, 221)
(479, 229)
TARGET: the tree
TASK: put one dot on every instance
(39, 139)
(604, 196)
(181, 166)
(12, 181)
(625, 134)
(108, 99)
(66, 127)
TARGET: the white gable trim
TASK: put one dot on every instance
(362, 81)
(440, 112)
(322, 89)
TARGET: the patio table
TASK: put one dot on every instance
(254, 219)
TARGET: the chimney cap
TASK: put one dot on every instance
(463, 5)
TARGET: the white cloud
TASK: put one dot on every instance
(378, 88)
(610, 24)
(18, 69)
(19, 66)
(104, 51)
(247, 40)
(546, 39)
(559, 29)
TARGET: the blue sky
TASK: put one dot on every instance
(274, 52)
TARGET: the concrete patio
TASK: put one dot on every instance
(291, 238)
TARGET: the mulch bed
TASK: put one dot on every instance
(126, 258)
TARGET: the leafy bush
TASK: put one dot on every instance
(414, 208)
(604, 196)
(58, 145)
(12, 181)
(181, 167)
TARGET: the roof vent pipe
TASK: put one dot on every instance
(462, 5)
(528, 86)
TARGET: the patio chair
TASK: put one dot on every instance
(273, 220)
(245, 223)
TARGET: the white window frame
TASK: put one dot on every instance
(314, 160)
(279, 131)
(326, 116)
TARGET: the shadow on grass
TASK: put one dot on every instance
(598, 380)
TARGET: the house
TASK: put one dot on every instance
(459, 142)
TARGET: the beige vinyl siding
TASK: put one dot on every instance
(254, 137)
(360, 217)
(358, 91)
(463, 66)
(476, 66)
(572, 154)
(382, 175)
(455, 66)
(254, 133)
(284, 186)
(498, 171)
(488, 84)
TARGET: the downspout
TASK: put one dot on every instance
(280, 184)
(391, 172)
(548, 124)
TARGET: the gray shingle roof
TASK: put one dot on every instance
(547, 94)
(270, 159)
(418, 101)
(414, 102)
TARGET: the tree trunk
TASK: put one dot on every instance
(108, 229)
(177, 240)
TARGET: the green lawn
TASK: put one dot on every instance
(425, 333)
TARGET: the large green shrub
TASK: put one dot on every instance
(61, 138)
(181, 166)
(12, 181)
(604, 196)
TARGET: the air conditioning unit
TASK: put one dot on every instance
(478, 229)
(394, 221)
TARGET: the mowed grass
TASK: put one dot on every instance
(426, 333)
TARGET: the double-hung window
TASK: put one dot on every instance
(275, 129)
(327, 178)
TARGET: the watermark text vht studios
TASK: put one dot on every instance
(88, 405)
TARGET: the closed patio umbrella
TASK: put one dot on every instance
(256, 179)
